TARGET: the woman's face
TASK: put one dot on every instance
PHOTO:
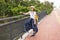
(32, 9)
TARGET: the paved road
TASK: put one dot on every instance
(49, 27)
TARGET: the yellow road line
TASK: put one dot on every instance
(58, 18)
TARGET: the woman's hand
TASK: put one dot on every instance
(25, 13)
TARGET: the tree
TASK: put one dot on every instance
(49, 6)
(10, 8)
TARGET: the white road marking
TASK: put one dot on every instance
(58, 18)
(25, 34)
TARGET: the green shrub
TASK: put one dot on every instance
(12, 8)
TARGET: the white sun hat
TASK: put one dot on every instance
(32, 6)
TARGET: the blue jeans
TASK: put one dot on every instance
(30, 25)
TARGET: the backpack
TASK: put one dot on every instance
(36, 17)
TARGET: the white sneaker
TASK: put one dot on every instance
(20, 39)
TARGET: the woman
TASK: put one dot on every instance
(32, 23)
